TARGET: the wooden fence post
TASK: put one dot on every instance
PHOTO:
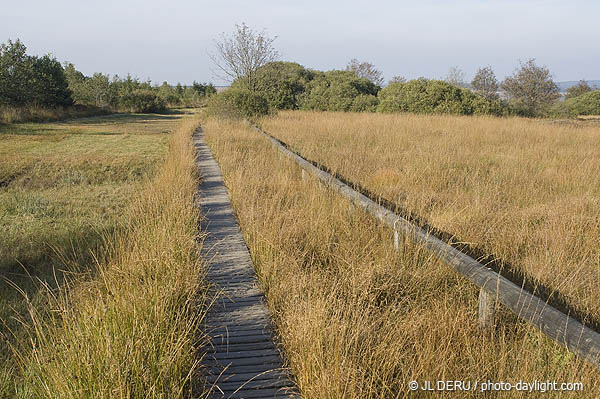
(487, 309)
(396, 243)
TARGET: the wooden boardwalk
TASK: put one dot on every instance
(242, 360)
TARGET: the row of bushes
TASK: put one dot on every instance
(132, 95)
(40, 87)
(287, 85)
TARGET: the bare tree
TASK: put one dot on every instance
(239, 55)
(580, 88)
(485, 83)
(456, 76)
(398, 79)
(531, 85)
(365, 70)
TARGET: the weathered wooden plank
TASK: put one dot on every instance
(562, 328)
(252, 376)
(243, 347)
(241, 333)
(268, 393)
(274, 360)
(258, 354)
(255, 384)
(215, 371)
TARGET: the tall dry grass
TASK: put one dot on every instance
(10, 114)
(527, 191)
(130, 328)
(356, 318)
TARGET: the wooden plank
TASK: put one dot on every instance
(259, 353)
(255, 384)
(214, 371)
(252, 376)
(241, 333)
(579, 339)
(243, 347)
(274, 360)
(269, 393)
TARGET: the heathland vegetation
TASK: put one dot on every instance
(356, 318)
(100, 274)
(523, 190)
(41, 89)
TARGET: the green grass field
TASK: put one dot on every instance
(63, 187)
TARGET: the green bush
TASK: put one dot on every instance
(423, 96)
(364, 103)
(142, 100)
(584, 104)
(237, 103)
(281, 83)
(336, 91)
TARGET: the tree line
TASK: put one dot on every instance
(32, 81)
(262, 84)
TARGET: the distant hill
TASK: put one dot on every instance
(563, 86)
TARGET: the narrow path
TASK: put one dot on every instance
(242, 360)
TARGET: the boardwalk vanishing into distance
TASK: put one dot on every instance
(241, 360)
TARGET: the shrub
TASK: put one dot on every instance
(364, 103)
(142, 100)
(585, 104)
(423, 96)
(336, 91)
(238, 103)
(281, 83)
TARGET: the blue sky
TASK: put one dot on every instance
(170, 40)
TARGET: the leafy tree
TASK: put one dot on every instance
(485, 83)
(365, 70)
(29, 80)
(16, 71)
(335, 91)
(281, 83)
(531, 89)
(168, 94)
(240, 55)
(580, 88)
(49, 86)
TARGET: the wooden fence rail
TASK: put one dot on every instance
(578, 338)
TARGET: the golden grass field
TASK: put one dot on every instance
(356, 319)
(526, 191)
(109, 201)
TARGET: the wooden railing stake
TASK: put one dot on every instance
(487, 309)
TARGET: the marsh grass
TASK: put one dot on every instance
(10, 114)
(101, 283)
(525, 191)
(356, 318)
